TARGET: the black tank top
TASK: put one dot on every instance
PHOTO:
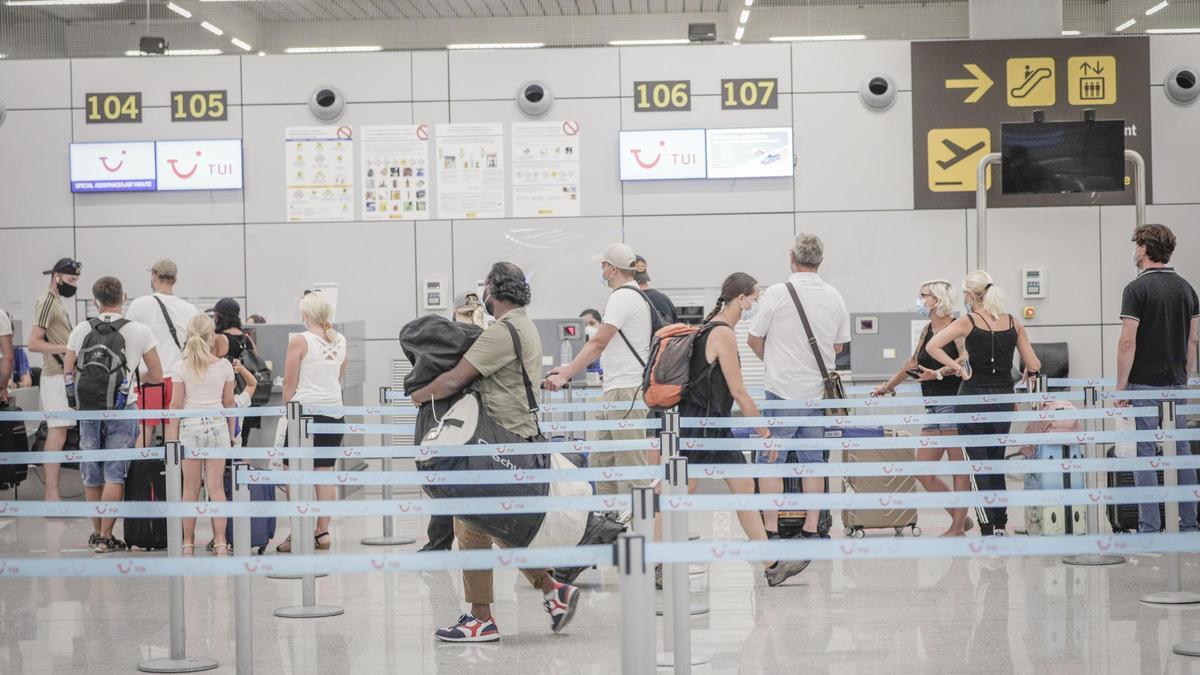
(991, 353)
(709, 396)
(237, 345)
(947, 386)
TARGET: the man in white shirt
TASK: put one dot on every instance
(105, 481)
(623, 345)
(167, 316)
(6, 355)
(777, 336)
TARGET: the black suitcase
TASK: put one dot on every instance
(13, 439)
(791, 522)
(146, 482)
(1124, 517)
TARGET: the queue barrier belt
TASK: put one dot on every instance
(844, 421)
(546, 427)
(170, 414)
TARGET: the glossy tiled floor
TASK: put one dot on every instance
(916, 616)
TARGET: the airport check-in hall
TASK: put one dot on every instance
(599, 336)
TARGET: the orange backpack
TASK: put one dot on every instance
(668, 374)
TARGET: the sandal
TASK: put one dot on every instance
(317, 541)
(285, 546)
(221, 549)
(188, 550)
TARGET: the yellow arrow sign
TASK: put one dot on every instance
(981, 83)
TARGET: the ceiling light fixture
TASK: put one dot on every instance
(817, 38)
(178, 52)
(239, 43)
(1125, 25)
(745, 16)
(749, 3)
(262, 53)
(1173, 31)
(43, 3)
(741, 30)
(211, 28)
(1157, 8)
(333, 50)
(1071, 32)
(635, 43)
(498, 45)
(179, 10)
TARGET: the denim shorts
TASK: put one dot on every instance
(784, 433)
(106, 435)
(941, 426)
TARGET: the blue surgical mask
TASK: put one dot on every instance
(751, 312)
(922, 309)
(603, 279)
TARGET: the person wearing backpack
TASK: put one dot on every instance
(167, 315)
(623, 344)
(104, 355)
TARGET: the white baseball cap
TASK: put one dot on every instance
(619, 256)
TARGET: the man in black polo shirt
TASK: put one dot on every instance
(1159, 316)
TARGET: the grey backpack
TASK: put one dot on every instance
(101, 367)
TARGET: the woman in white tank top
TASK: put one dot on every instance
(312, 375)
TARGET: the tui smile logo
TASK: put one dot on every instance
(637, 156)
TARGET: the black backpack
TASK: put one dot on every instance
(657, 322)
(100, 368)
(262, 374)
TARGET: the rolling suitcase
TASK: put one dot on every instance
(262, 530)
(13, 439)
(791, 522)
(1055, 520)
(1124, 517)
(146, 482)
(858, 522)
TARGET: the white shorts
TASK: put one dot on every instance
(52, 392)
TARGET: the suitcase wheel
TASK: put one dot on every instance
(899, 531)
(916, 531)
(858, 533)
(849, 531)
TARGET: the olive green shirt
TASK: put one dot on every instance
(502, 387)
(50, 314)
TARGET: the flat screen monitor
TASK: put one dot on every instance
(1058, 157)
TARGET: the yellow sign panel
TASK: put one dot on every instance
(954, 156)
(1092, 80)
(1030, 82)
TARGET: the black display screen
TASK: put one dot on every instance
(1057, 157)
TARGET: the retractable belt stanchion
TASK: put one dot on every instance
(243, 615)
(308, 609)
(178, 661)
(1174, 595)
(637, 605)
(389, 537)
(292, 411)
(1094, 481)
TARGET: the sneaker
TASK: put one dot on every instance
(783, 570)
(431, 547)
(772, 534)
(93, 541)
(560, 604)
(999, 533)
(469, 629)
(115, 544)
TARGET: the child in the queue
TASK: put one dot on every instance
(202, 382)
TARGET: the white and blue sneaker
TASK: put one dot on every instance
(469, 629)
(560, 604)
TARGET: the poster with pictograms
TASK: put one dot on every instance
(964, 90)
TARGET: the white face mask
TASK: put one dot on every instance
(1138, 258)
(750, 312)
(590, 331)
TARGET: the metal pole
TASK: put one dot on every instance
(981, 199)
(293, 410)
(637, 621)
(177, 661)
(1095, 480)
(308, 609)
(1139, 185)
(1174, 595)
(645, 506)
(242, 590)
(389, 537)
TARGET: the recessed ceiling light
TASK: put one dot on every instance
(1173, 31)
(498, 45)
(1072, 32)
(817, 38)
(635, 43)
(179, 10)
(332, 50)
(745, 16)
(741, 30)
(178, 52)
(1125, 25)
(749, 3)
(37, 3)
(1157, 8)
(262, 53)
(243, 45)
(211, 28)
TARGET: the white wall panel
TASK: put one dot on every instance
(850, 157)
(555, 254)
(211, 258)
(156, 78)
(431, 76)
(373, 262)
(843, 66)
(1085, 345)
(1116, 262)
(878, 260)
(705, 65)
(36, 188)
(36, 83)
(1176, 146)
(27, 253)
(1169, 51)
(363, 78)
(569, 73)
(379, 367)
(264, 133)
(1065, 241)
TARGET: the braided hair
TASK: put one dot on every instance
(735, 285)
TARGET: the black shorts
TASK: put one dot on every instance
(709, 456)
(324, 441)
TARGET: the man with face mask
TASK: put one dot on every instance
(1160, 314)
(51, 328)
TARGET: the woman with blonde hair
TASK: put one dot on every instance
(312, 375)
(936, 300)
(992, 336)
(202, 382)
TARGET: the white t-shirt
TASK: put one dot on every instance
(138, 341)
(789, 369)
(5, 323)
(628, 312)
(145, 310)
(204, 393)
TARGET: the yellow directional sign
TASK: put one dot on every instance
(1030, 82)
(954, 156)
(979, 81)
(1092, 80)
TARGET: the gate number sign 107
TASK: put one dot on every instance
(752, 93)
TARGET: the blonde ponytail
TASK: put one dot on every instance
(318, 311)
(199, 339)
(989, 295)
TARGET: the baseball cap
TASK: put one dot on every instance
(466, 300)
(639, 271)
(66, 266)
(227, 306)
(165, 269)
(619, 256)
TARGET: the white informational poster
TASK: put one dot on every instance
(395, 172)
(749, 153)
(545, 169)
(319, 164)
(662, 154)
(470, 170)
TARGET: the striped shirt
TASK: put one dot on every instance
(51, 316)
